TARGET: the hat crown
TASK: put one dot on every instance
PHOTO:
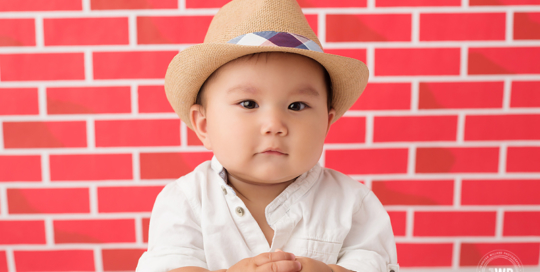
(240, 17)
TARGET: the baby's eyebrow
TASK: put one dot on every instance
(242, 88)
(306, 90)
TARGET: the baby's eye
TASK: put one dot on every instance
(249, 104)
(296, 106)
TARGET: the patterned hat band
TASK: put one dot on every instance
(273, 38)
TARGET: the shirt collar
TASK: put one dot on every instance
(281, 204)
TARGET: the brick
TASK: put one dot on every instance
(302, 3)
(523, 159)
(42, 66)
(417, 61)
(94, 231)
(414, 128)
(88, 100)
(170, 165)
(47, 134)
(526, 26)
(522, 223)
(503, 60)
(417, 3)
(32, 5)
(399, 222)
(124, 259)
(457, 160)
(414, 192)
(502, 127)
(424, 255)
(525, 94)
(500, 192)
(172, 29)
(135, 64)
(443, 223)
(133, 4)
(48, 200)
(460, 95)
(3, 262)
(347, 130)
(127, 199)
(471, 253)
(54, 260)
(91, 167)
(359, 54)
(368, 27)
(86, 31)
(462, 26)
(153, 99)
(313, 21)
(17, 32)
(502, 2)
(192, 138)
(19, 101)
(368, 161)
(22, 232)
(145, 226)
(20, 168)
(384, 96)
(155, 132)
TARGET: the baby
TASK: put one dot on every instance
(261, 94)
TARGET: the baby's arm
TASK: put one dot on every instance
(264, 262)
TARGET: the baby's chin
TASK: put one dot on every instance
(267, 176)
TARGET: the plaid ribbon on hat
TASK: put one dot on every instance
(274, 38)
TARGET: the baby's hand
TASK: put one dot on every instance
(312, 265)
(278, 261)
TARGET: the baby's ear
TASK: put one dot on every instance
(198, 120)
(331, 116)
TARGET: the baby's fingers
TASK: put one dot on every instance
(269, 257)
(280, 266)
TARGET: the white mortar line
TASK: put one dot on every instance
(464, 55)
(321, 28)
(45, 167)
(457, 193)
(136, 166)
(42, 100)
(507, 94)
(370, 59)
(90, 134)
(369, 129)
(182, 5)
(415, 95)
(138, 231)
(371, 5)
(86, 7)
(411, 162)
(415, 30)
(98, 259)
(10, 260)
(49, 232)
(132, 24)
(499, 224)
(134, 91)
(93, 197)
(40, 40)
(409, 223)
(509, 35)
(502, 158)
(1, 135)
(455, 254)
(460, 128)
(88, 66)
(3, 202)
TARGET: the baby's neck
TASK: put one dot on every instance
(253, 192)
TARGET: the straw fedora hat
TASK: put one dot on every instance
(243, 27)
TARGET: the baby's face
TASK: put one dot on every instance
(266, 117)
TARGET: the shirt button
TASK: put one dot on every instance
(224, 190)
(240, 211)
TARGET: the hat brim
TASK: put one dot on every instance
(191, 67)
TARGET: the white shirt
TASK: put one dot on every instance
(325, 215)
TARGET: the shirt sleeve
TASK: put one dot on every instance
(369, 245)
(174, 235)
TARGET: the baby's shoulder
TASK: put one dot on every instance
(190, 185)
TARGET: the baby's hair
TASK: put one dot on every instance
(327, 82)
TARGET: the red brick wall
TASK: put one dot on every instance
(447, 133)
